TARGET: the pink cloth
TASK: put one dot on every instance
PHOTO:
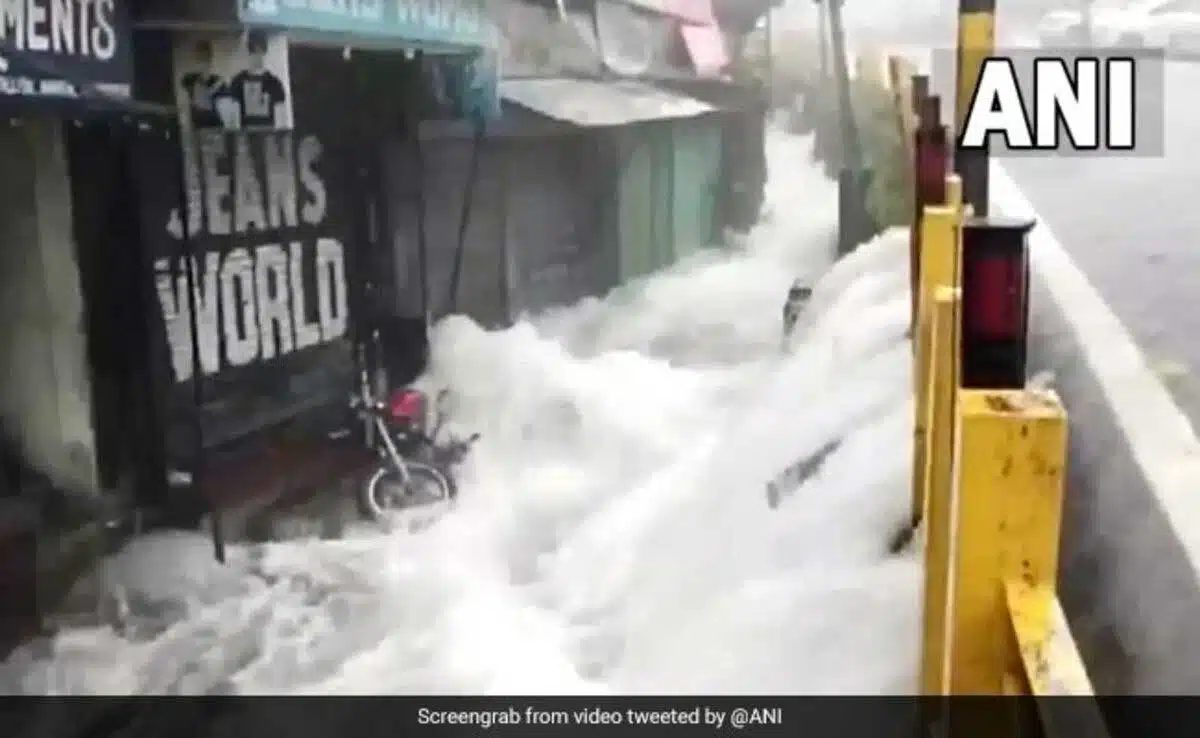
(706, 46)
(701, 35)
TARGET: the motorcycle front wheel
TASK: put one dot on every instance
(386, 495)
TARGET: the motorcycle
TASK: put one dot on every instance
(417, 468)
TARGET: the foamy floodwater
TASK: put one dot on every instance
(613, 534)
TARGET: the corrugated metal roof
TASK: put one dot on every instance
(595, 103)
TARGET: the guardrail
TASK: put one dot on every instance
(989, 450)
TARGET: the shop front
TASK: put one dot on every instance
(264, 259)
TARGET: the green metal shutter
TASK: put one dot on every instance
(697, 170)
(636, 211)
(663, 146)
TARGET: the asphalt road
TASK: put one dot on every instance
(1132, 224)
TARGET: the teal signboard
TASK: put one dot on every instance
(447, 25)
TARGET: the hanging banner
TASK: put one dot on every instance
(703, 38)
(479, 86)
(683, 10)
(233, 81)
(466, 86)
(50, 50)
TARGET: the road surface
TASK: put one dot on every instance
(1133, 226)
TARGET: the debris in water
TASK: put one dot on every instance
(902, 539)
(797, 297)
(799, 473)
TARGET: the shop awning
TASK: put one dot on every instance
(444, 27)
(696, 12)
(447, 26)
(681, 11)
(740, 16)
(31, 81)
(594, 103)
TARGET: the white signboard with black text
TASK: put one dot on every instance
(54, 51)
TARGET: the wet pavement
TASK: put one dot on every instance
(1133, 226)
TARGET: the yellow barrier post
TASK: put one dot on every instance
(943, 387)
(940, 257)
(1052, 664)
(1009, 470)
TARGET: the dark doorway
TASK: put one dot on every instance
(117, 308)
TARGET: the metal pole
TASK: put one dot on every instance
(188, 251)
(1087, 20)
(823, 46)
(976, 42)
(852, 151)
(855, 224)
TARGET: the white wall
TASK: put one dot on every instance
(45, 393)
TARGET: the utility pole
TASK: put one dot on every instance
(823, 44)
(854, 222)
(976, 42)
(1085, 16)
(851, 149)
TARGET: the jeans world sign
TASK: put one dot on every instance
(263, 244)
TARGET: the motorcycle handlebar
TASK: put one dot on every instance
(371, 408)
(464, 443)
(375, 409)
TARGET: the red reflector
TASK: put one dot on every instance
(932, 161)
(407, 405)
(994, 297)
